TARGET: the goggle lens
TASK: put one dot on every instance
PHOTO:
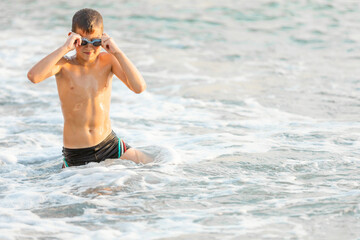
(95, 42)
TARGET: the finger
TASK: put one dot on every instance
(103, 42)
(106, 44)
(107, 40)
(105, 37)
(78, 41)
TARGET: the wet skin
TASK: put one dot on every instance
(84, 87)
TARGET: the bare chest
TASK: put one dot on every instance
(82, 82)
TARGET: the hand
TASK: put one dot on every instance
(73, 41)
(109, 44)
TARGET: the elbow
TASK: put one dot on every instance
(32, 78)
(140, 89)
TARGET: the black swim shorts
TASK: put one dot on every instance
(110, 147)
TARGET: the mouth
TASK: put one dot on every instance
(87, 53)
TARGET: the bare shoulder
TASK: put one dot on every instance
(61, 64)
(106, 57)
(64, 60)
(108, 60)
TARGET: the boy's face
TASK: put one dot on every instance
(89, 52)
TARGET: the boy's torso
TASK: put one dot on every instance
(85, 94)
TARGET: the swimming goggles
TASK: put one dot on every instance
(96, 42)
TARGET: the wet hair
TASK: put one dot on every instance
(86, 19)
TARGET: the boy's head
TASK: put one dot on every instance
(89, 24)
(86, 20)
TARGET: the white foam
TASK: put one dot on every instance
(250, 128)
(7, 158)
(23, 200)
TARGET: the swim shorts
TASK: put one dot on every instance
(110, 147)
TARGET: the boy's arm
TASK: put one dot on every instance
(122, 67)
(51, 64)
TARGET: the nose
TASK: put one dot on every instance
(88, 45)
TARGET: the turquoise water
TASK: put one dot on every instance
(251, 113)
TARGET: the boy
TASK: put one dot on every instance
(84, 87)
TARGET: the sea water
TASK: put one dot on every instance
(251, 114)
